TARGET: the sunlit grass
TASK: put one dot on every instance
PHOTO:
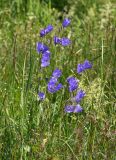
(33, 130)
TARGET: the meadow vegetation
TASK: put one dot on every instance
(40, 130)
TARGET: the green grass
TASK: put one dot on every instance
(30, 130)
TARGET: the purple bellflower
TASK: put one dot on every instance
(42, 33)
(57, 40)
(66, 22)
(41, 95)
(73, 109)
(41, 47)
(57, 73)
(87, 64)
(73, 83)
(46, 53)
(82, 67)
(79, 96)
(53, 85)
(45, 60)
(45, 64)
(45, 31)
(65, 41)
(49, 28)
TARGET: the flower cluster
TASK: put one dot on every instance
(73, 108)
(53, 84)
(42, 48)
(73, 85)
(63, 41)
(45, 60)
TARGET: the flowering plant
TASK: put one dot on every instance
(54, 85)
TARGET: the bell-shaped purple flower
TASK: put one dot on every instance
(45, 64)
(45, 60)
(45, 31)
(73, 83)
(58, 87)
(65, 41)
(42, 33)
(87, 64)
(57, 73)
(79, 96)
(53, 85)
(82, 67)
(57, 40)
(73, 109)
(49, 28)
(66, 22)
(41, 47)
(41, 95)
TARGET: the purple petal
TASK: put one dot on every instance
(69, 109)
(58, 87)
(45, 31)
(66, 22)
(57, 40)
(41, 47)
(45, 63)
(87, 64)
(53, 85)
(80, 68)
(73, 83)
(42, 33)
(79, 96)
(84, 66)
(57, 73)
(73, 109)
(65, 41)
(46, 53)
(41, 95)
(78, 109)
(49, 28)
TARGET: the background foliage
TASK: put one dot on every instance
(33, 130)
